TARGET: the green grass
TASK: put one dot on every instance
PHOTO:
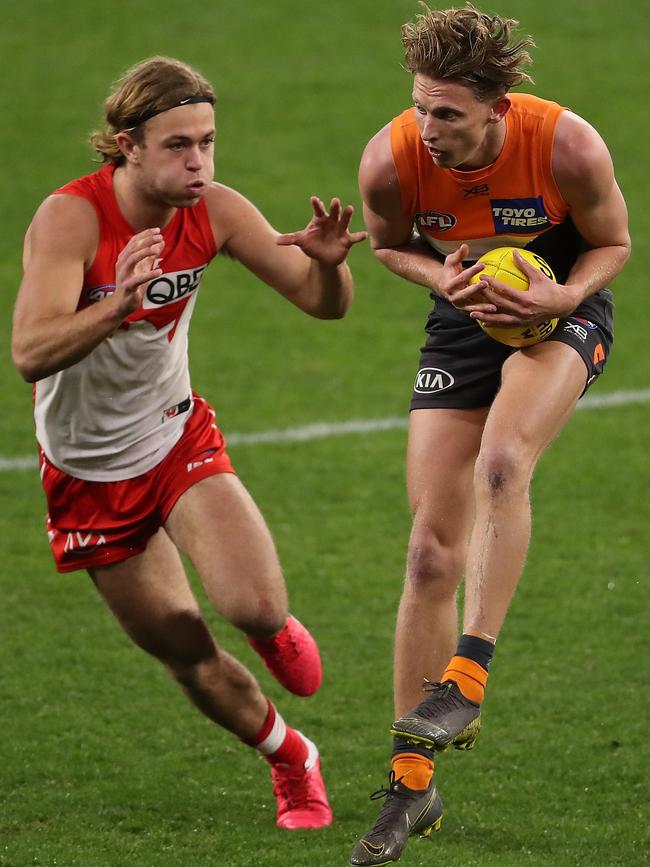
(102, 762)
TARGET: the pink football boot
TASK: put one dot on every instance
(300, 793)
(292, 657)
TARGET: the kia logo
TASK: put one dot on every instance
(430, 379)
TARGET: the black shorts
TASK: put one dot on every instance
(460, 365)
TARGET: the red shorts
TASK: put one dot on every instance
(97, 523)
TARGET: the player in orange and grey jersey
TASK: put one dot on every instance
(468, 168)
(133, 465)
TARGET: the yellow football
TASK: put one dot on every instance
(501, 265)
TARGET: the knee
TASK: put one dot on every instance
(433, 566)
(502, 470)
(261, 617)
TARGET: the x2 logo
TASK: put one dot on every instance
(478, 190)
(436, 221)
(578, 330)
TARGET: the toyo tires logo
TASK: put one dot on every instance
(519, 216)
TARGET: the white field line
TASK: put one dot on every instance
(324, 430)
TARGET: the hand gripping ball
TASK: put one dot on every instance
(501, 265)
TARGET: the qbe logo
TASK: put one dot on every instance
(436, 221)
(432, 379)
(172, 286)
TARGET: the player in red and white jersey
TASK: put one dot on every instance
(469, 168)
(125, 426)
(133, 465)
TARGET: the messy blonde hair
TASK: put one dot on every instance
(148, 88)
(468, 47)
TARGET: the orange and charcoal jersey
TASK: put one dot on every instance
(514, 202)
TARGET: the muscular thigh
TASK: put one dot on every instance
(217, 523)
(150, 596)
(443, 445)
(539, 390)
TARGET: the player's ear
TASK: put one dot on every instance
(500, 108)
(128, 146)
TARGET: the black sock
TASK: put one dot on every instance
(401, 746)
(475, 648)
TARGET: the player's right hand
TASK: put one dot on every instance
(454, 283)
(134, 269)
(327, 237)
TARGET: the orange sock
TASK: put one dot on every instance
(415, 770)
(469, 675)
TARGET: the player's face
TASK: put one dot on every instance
(458, 129)
(176, 159)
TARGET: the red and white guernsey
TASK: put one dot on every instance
(121, 409)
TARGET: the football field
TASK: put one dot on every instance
(103, 763)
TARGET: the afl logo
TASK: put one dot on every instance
(436, 221)
(432, 379)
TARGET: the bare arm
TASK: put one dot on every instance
(392, 237)
(585, 176)
(308, 267)
(49, 334)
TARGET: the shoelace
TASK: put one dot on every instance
(385, 819)
(295, 790)
(440, 697)
(392, 787)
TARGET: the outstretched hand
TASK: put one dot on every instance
(326, 237)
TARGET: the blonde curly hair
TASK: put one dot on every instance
(468, 47)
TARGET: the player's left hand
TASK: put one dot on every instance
(327, 237)
(544, 299)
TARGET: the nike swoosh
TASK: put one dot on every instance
(374, 850)
(183, 101)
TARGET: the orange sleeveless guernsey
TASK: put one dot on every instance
(505, 204)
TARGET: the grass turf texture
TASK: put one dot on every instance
(102, 760)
